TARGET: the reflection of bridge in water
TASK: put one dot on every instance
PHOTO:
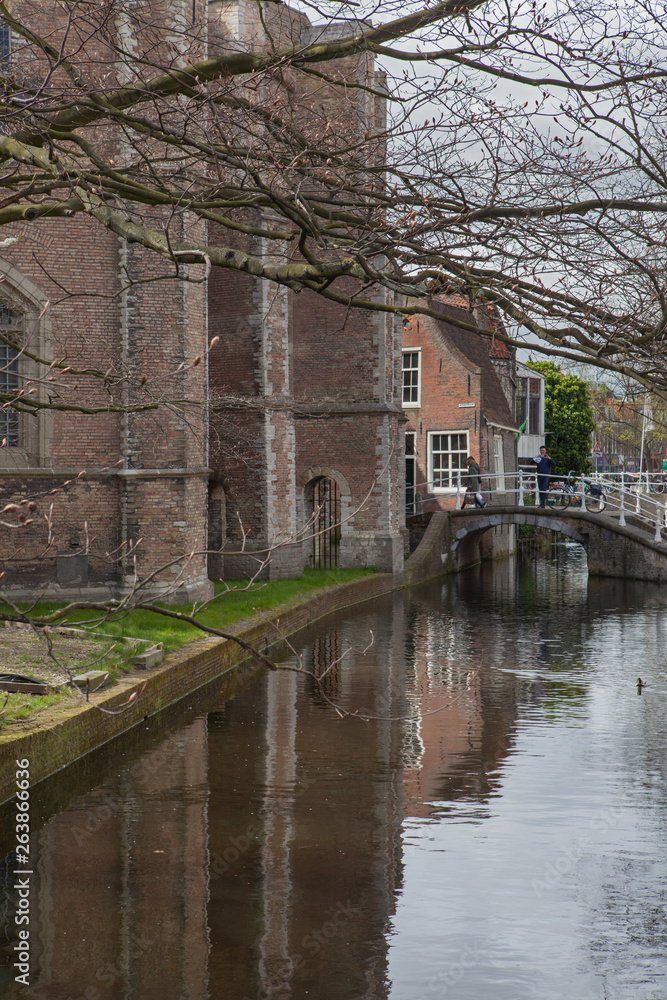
(615, 549)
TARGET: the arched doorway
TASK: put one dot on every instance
(323, 496)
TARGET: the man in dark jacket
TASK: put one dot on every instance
(471, 481)
(544, 465)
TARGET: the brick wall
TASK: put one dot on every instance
(330, 375)
(147, 331)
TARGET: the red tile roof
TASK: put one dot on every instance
(475, 348)
(497, 348)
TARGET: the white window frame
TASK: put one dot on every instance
(446, 490)
(412, 404)
(540, 405)
(499, 462)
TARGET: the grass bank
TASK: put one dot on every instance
(213, 667)
(234, 601)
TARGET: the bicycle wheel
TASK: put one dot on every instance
(569, 498)
(557, 496)
(595, 503)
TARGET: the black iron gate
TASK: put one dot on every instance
(326, 522)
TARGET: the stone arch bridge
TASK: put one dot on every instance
(451, 541)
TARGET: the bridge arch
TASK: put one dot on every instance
(451, 542)
(466, 532)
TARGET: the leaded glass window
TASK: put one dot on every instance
(9, 375)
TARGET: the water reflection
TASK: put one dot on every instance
(502, 837)
(118, 899)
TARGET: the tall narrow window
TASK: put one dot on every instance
(529, 404)
(499, 460)
(24, 337)
(521, 402)
(5, 44)
(411, 372)
(447, 456)
(534, 405)
(9, 376)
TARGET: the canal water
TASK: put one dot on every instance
(471, 803)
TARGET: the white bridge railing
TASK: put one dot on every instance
(624, 497)
(640, 498)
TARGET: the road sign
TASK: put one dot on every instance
(597, 448)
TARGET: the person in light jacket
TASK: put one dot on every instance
(544, 465)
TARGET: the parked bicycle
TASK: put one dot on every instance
(567, 493)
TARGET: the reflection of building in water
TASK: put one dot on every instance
(276, 965)
(257, 853)
(8, 904)
(119, 894)
(305, 816)
(461, 714)
(327, 651)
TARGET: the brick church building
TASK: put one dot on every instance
(294, 415)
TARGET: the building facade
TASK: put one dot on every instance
(458, 398)
(630, 434)
(454, 398)
(113, 483)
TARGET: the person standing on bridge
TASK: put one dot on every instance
(544, 465)
(472, 480)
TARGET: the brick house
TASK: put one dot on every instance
(458, 398)
(319, 433)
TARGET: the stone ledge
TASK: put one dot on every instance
(56, 592)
